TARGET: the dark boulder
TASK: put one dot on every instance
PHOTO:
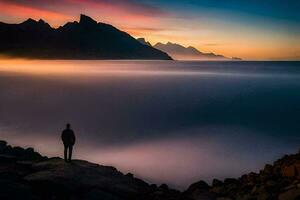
(200, 191)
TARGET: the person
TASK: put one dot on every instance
(68, 138)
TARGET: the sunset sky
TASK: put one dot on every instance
(250, 29)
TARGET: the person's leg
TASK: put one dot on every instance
(65, 152)
(70, 152)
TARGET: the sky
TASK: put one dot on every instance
(249, 29)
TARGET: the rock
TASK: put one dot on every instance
(268, 169)
(217, 190)
(217, 186)
(289, 171)
(19, 153)
(216, 183)
(200, 191)
(99, 195)
(201, 186)
(163, 187)
(265, 196)
(3, 143)
(293, 194)
(153, 188)
(290, 187)
(7, 158)
(129, 175)
(82, 174)
(251, 178)
(203, 196)
(255, 190)
(273, 189)
(230, 181)
(14, 190)
(25, 174)
(292, 170)
(3, 146)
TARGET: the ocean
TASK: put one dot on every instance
(164, 121)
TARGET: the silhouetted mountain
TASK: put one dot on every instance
(236, 58)
(85, 39)
(144, 42)
(180, 52)
(25, 174)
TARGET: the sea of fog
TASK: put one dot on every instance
(165, 121)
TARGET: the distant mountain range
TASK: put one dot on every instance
(180, 52)
(85, 39)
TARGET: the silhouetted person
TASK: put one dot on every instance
(68, 139)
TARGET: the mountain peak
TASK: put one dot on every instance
(190, 47)
(29, 21)
(159, 43)
(170, 43)
(41, 21)
(84, 19)
(144, 42)
(142, 39)
(175, 45)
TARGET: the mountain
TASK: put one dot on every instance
(144, 42)
(180, 52)
(27, 175)
(85, 39)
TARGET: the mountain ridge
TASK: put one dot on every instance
(180, 52)
(86, 39)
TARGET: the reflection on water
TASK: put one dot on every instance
(166, 121)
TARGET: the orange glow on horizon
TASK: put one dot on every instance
(248, 43)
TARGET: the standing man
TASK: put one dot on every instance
(68, 139)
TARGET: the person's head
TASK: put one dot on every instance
(68, 126)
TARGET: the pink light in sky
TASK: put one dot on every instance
(16, 11)
(125, 13)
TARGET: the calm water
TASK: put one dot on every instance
(172, 122)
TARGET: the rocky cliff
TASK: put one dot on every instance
(86, 39)
(25, 174)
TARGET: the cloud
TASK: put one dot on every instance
(137, 31)
(67, 6)
(211, 44)
(10, 12)
(133, 6)
(127, 13)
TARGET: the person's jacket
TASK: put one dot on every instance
(68, 137)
